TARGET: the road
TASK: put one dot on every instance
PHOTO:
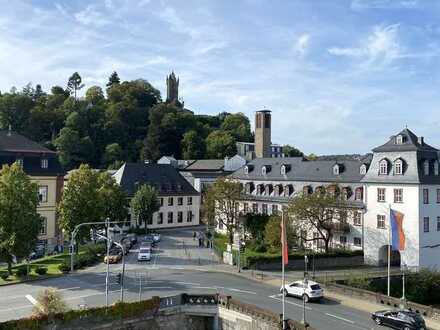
(177, 266)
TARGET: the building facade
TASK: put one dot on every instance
(179, 201)
(403, 175)
(42, 165)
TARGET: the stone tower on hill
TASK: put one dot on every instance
(172, 89)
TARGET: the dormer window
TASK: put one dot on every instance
(436, 167)
(44, 163)
(426, 167)
(363, 169)
(284, 169)
(263, 170)
(383, 167)
(398, 167)
(336, 169)
(399, 139)
(248, 169)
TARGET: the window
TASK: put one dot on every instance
(160, 218)
(264, 208)
(336, 169)
(359, 194)
(43, 230)
(381, 194)
(189, 216)
(263, 170)
(383, 167)
(180, 216)
(436, 167)
(246, 170)
(283, 169)
(438, 196)
(398, 195)
(20, 161)
(255, 208)
(399, 139)
(343, 240)
(161, 201)
(363, 169)
(245, 207)
(426, 196)
(190, 201)
(170, 217)
(438, 223)
(398, 167)
(426, 167)
(357, 241)
(357, 219)
(426, 224)
(170, 201)
(179, 200)
(44, 163)
(380, 221)
(42, 194)
(274, 209)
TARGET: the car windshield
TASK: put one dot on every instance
(315, 287)
(144, 251)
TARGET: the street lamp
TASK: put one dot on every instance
(240, 223)
(404, 268)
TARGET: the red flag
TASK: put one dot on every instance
(284, 248)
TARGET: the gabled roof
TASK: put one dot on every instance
(16, 143)
(165, 178)
(410, 143)
(206, 165)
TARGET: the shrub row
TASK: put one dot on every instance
(90, 257)
(114, 312)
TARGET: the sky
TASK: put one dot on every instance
(340, 76)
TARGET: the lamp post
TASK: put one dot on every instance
(403, 285)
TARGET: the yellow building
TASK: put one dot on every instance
(42, 165)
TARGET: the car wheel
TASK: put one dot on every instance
(285, 293)
(378, 321)
(305, 298)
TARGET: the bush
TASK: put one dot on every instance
(41, 270)
(49, 302)
(21, 271)
(4, 276)
(65, 268)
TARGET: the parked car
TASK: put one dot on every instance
(148, 239)
(156, 237)
(308, 291)
(399, 319)
(115, 255)
(144, 253)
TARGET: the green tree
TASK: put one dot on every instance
(238, 126)
(74, 84)
(290, 151)
(94, 95)
(143, 205)
(20, 223)
(113, 198)
(113, 154)
(221, 204)
(324, 211)
(255, 225)
(272, 233)
(220, 144)
(193, 145)
(113, 80)
(312, 157)
(15, 110)
(81, 201)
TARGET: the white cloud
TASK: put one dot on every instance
(302, 44)
(90, 16)
(381, 47)
(384, 4)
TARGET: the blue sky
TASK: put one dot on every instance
(340, 76)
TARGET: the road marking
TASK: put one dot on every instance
(242, 291)
(72, 288)
(31, 299)
(206, 287)
(340, 318)
(289, 302)
(158, 287)
(13, 309)
(187, 283)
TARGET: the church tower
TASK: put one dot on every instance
(172, 89)
(262, 133)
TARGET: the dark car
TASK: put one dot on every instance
(400, 319)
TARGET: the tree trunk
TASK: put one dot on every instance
(9, 267)
(327, 243)
(231, 236)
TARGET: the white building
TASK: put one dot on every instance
(179, 201)
(403, 174)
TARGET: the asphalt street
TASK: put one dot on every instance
(177, 266)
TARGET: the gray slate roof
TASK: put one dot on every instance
(301, 170)
(165, 178)
(16, 143)
(411, 143)
(206, 165)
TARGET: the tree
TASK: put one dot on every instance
(113, 154)
(74, 84)
(113, 80)
(113, 198)
(95, 95)
(144, 203)
(193, 145)
(290, 151)
(323, 212)
(272, 233)
(20, 223)
(221, 201)
(312, 157)
(238, 126)
(15, 110)
(220, 144)
(81, 201)
(255, 225)
(49, 302)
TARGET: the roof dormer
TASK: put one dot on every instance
(265, 169)
(383, 167)
(363, 169)
(285, 168)
(399, 139)
(337, 169)
(248, 169)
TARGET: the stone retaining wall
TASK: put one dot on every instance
(320, 263)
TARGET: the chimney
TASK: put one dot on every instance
(262, 133)
(420, 140)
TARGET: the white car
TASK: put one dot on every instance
(309, 291)
(144, 253)
(156, 237)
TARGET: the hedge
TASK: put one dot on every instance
(103, 314)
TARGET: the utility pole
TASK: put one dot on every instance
(108, 263)
(403, 285)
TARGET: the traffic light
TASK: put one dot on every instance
(119, 278)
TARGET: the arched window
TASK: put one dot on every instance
(283, 170)
(359, 194)
(398, 167)
(363, 169)
(383, 167)
(263, 170)
(246, 170)
(399, 139)
(426, 167)
(336, 169)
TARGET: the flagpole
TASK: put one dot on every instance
(282, 270)
(389, 252)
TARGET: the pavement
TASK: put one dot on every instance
(179, 265)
